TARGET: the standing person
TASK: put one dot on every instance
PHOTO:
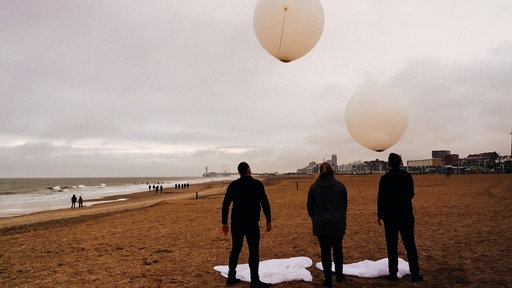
(248, 197)
(394, 207)
(80, 202)
(327, 208)
(73, 201)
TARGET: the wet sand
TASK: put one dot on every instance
(463, 227)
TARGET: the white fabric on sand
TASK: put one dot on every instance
(275, 270)
(294, 269)
(371, 269)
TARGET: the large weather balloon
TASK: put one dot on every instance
(288, 29)
(376, 117)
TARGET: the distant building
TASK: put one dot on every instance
(483, 162)
(451, 159)
(377, 166)
(439, 154)
(505, 163)
(312, 168)
(425, 165)
(334, 162)
(441, 162)
(344, 168)
(435, 162)
(357, 167)
(364, 167)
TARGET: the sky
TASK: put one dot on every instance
(167, 88)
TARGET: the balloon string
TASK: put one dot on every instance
(282, 27)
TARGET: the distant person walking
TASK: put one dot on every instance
(73, 201)
(248, 197)
(80, 202)
(448, 172)
(394, 207)
(327, 207)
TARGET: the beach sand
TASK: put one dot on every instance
(463, 227)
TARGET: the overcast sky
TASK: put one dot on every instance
(165, 88)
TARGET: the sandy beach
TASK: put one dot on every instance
(463, 227)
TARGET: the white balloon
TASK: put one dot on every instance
(376, 117)
(288, 29)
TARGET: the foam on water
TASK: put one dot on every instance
(59, 196)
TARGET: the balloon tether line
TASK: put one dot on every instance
(282, 27)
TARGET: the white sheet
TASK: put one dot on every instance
(275, 270)
(294, 269)
(371, 269)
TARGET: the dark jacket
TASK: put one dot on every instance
(396, 190)
(327, 206)
(248, 197)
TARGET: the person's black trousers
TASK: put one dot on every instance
(406, 229)
(332, 243)
(252, 235)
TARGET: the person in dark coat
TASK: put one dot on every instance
(248, 197)
(73, 201)
(327, 207)
(394, 207)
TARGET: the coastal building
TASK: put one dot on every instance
(447, 157)
(439, 154)
(424, 165)
(334, 162)
(312, 168)
(358, 167)
(377, 166)
(451, 159)
(364, 167)
(482, 162)
(505, 164)
(441, 162)
(344, 168)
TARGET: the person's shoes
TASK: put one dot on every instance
(391, 277)
(259, 284)
(416, 278)
(327, 283)
(340, 278)
(232, 281)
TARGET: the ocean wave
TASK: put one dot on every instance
(75, 187)
(39, 194)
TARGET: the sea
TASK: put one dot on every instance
(19, 196)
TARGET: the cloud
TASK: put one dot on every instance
(459, 106)
(166, 88)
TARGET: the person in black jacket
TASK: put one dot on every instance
(73, 201)
(327, 208)
(394, 207)
(248, 197)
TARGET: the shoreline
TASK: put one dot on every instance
(112, 204)
(21, 197)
